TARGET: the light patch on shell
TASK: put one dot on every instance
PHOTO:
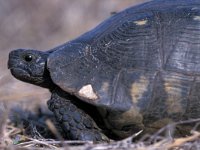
(105, 87)
(87, 92)
(174, 98)
(196, 18)
(141, 22)
(138, 88)
(173, 104)
(130, 117)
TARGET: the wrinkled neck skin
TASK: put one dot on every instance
(47, 82)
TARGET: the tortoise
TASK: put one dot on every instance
(138, 70)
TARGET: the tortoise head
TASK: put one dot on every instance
(30, 66)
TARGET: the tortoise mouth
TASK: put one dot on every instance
(20, 73)
(25, 75)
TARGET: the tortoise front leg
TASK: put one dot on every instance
(75, 122)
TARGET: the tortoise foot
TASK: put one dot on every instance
(75, 122)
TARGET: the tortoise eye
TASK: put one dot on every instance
(28, 58)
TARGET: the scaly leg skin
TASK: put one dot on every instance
(75, 122)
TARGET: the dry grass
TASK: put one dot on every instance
(28, 130)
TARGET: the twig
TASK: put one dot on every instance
(35, 142)
(180, 141)
(53, 129)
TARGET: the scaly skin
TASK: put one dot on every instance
(75, 122)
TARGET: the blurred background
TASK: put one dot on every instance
(42, 25)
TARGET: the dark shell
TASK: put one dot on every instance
(145, 59)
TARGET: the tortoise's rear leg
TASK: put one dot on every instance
(75, 122)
